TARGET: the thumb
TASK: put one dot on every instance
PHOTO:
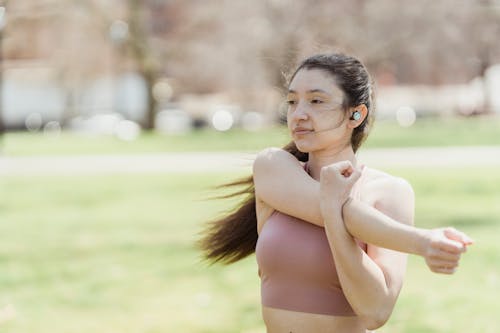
(354, 177)
(344, 167)
(459, 236)
(451, 245)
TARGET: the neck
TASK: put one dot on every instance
(317, 160)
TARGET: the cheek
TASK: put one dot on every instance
(289, 120)
(328, 123)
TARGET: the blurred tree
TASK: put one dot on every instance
(139, 42)
(145, 56)
(242, 48)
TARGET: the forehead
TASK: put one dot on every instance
(313, 79)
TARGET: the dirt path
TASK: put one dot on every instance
(449, 157)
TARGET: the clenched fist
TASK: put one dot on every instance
(336, 182)
(443, 248)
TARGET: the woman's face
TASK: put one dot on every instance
(315, 117)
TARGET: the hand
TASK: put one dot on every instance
(336, 182)
(443, 249)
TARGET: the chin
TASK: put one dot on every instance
(303, 148)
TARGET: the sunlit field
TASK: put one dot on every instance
(100, 217)
(115, 254)
(457, 131)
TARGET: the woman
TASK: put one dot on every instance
(327, 229)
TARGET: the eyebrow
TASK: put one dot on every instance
(309, 91)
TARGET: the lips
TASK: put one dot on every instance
(301, 130)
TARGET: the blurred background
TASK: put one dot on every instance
(117, 119)
(97, 66)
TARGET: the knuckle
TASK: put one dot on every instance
(433, 253)
(436, 242)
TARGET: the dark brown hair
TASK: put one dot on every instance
(354, 81)
(234, 236)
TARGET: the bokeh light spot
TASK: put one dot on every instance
(406, 116)
(222, 120)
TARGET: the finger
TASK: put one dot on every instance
(444, 270)
(451, 246)
(444, 255)
(443, 263)
(454, 234)
(355, 175)
(343, 166)
(347, 173)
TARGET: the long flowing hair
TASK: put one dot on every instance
(234, 236)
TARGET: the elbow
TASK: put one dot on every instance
(374, 324)
(265, 158)
(375, 320)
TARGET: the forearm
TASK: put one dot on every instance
(372, 226)
(363, 282)
(366, 224)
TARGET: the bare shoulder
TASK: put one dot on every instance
(377, 179)
(269, 163)
(390, 194)
(270, 152)
(267, 157)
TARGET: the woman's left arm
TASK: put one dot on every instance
(371, 281)
(282, 183)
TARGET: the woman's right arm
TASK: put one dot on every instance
(281, 182)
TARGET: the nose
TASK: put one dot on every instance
(300, 112)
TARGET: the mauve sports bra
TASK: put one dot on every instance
(297, 269)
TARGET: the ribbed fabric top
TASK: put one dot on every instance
(297, 269)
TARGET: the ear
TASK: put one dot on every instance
(356, 121)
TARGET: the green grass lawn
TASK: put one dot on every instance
(425, 132)
(115, 254)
